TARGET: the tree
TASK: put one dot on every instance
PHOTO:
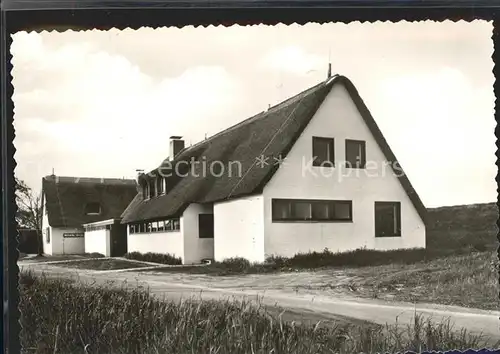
(29, 210)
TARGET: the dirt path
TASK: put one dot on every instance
(339, 305)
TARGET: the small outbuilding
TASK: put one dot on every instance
(69, 203)
(107, 237)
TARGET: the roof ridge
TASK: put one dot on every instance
(262, 114)
(86, 179)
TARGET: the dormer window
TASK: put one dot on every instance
(92, 209)
(160, 185)
(152, 189)
(145, 190)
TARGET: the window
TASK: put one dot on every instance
(176, 224)
(131, 229)
(282, 209)
(206, 226)
(355, 153)
(387, 219)
(155, 226)
(92, 209)
(311, 210)
(160, 185)
(152, 189)
(323, 152)
(145, 190)
(47, 234)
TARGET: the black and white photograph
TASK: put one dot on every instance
(316, 188)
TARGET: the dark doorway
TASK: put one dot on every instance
(206, 225)
(118, 239)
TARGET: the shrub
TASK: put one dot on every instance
(154, 258)
(237, 264)
(95, 255)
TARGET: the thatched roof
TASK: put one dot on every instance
(271, 133)
(66, 198)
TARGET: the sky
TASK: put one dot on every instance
(104, 103)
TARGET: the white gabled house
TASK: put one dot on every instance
(310, 173)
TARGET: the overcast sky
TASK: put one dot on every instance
(103, 104)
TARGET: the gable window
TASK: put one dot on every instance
(323, 152)
(355, 153)
(387, 219)
(311, 210)
(92, 208)
(47, 234)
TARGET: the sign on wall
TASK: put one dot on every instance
(72, 234)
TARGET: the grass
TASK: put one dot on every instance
(154, 258)
(102, 264)
(466, 280)
(59, 316)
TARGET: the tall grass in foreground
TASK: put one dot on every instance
(59, 316)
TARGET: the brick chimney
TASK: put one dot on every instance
(176, 145)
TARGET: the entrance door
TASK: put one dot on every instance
(118, 240)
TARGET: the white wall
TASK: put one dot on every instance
(337, 117)
(195, 248)
(66, 245)
(157, 242)
(58, 244)
(239, 229)
(47, 246)
(98, 241)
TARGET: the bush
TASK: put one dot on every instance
(237, 264)
(356, 258)
(95, 255)
(154, 258)
(59, 316)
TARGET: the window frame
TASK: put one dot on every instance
(331, 146)
(397, 206)
(358, 143)
(312, 202)
(156, 226)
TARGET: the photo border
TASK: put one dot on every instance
(61, 15)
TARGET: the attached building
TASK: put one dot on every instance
(310, 173)
(71, 202)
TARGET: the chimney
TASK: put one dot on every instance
(176, 145)
(139, 173)
(329, 70)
